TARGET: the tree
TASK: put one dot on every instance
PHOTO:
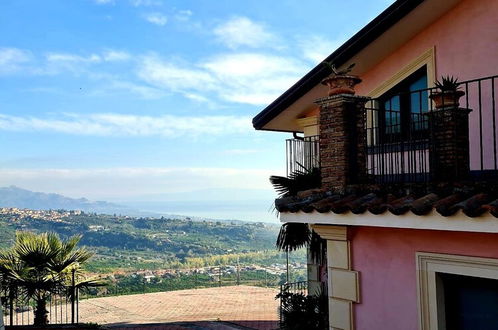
(293, 236)
(40, 265)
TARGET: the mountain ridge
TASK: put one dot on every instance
(13, 196)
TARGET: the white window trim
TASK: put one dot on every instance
(427, 58)
(428, 264)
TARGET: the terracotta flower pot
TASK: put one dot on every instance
(446, 98)
(343, 84)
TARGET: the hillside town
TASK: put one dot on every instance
(16, 214)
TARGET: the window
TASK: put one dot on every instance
(457, 292)
(468, 302)
(402, 108)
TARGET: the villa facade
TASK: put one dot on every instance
(409, 199)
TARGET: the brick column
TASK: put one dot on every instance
(449, 145)
(342, 140)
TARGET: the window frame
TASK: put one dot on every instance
(402, 90)
(429, 291)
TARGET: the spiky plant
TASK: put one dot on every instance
(40, 264)
(448, 83)
(331, 66)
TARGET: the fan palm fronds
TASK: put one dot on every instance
(299, 180)
(40, 264)
(293, 236)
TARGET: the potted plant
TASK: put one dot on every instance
(448, 93)
(340, 81)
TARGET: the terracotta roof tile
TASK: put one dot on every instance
(472, 204)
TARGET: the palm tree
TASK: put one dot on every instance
(40, 265)
(293, 236)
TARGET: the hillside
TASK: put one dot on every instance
(141, 243)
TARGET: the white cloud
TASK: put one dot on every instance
(67, 57)
(104, 2)
(116, 56)
(145, 3)
(173, 76)
(145, 92)
(253, 78)
(183, 15)
(121, 182)
(156, 18)
(56, 63)
(316, 48)
(243, 78)
(11, 59)
(112, 124)
(241, 31)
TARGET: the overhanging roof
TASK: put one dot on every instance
(360, 40)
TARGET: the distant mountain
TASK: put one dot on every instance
(21, 198)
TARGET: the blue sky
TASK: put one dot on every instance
(139, 100)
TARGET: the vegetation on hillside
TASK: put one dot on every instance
(128, 249)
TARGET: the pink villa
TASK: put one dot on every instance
(408, 203)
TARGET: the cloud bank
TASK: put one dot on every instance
(112, 124)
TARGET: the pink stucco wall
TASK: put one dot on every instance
(385, 259)
(466, 44)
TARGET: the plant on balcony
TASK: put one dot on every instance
(301, 311)
(340, 81)
(41, 265)
(293, 236)
(448, 92)
(297, 181)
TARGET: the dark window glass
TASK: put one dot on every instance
(470, 303)
(403, 108)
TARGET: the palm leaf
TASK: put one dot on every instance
(293, 236)
(299, 180)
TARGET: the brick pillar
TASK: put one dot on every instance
(342, 140)
(449, 141)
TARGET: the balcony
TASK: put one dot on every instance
(403, 145)
(302, 153)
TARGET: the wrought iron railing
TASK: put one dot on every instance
(399, 140)
(302, 154)
(396, 151)
(62, 306)
(291, 288)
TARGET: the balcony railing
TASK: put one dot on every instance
(400, 141)
(290, 288)
(302, 154)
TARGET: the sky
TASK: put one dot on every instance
(152, 100)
